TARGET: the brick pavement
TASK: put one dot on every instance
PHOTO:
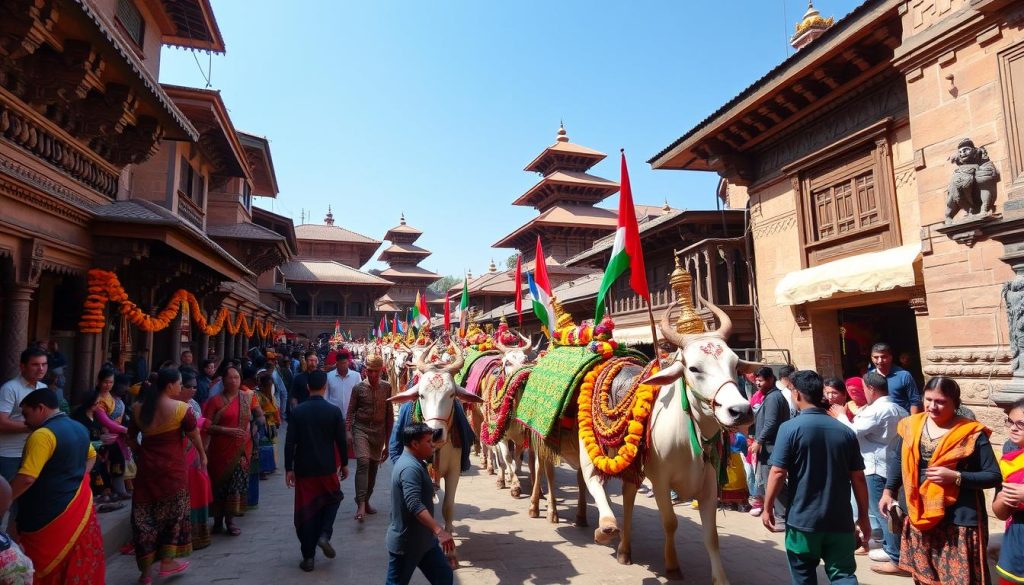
(498, 544)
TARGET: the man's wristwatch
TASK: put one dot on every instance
(959, 478)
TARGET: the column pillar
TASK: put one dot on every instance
(204, 347)
(16, 312)
(87, 363)
(220, 344)
(731, 278)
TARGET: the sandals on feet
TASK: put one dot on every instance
(359, 517)
(180, 568)
(233, 530)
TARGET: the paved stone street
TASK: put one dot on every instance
(497, 544)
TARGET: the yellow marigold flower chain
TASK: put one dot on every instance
(627, 453)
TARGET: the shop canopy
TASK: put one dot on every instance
(863, 273)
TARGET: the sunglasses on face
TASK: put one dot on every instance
(1014, 424)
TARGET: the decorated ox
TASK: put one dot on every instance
(507, 451)
(437, 396)
(704, 368)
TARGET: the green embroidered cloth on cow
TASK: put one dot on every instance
(471, 356)
(551, 386)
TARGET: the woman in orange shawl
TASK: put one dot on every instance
(943, 462)
(230, 415)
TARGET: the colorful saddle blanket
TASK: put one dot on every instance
(480, 367)
(549, 391)
(472, 356)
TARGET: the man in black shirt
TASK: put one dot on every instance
(300, 385)
(315, 462)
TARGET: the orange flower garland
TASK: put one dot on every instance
(641, 411)
(105, 287)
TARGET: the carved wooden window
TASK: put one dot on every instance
(846, 198)
(131, 20)
(1011, 78)
(191, 182)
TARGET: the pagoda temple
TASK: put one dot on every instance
(568, 222)
(403, 257)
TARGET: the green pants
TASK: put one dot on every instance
(835, 549)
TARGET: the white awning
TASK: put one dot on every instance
(633, 335)
(867, 273)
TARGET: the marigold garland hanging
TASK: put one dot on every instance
(635, 420)
(104, 287)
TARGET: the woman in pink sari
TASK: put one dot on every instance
(229, 416)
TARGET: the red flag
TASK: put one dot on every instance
(394, 325)
(383, 325)
(519, 289)
(540, 269)
(447, 315)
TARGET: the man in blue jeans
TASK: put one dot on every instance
(822, 460)
(875, 426)
(414, 539)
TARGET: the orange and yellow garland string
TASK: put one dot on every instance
(104, 287)
(641, 411)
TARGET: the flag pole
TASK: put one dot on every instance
(654, 329)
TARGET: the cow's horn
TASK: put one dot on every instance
(724, 321)
(455, 366)
(418, 362)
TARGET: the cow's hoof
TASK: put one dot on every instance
(517, 491)
(606, 531)
(624, 558)
(553, 517)
(534, 512)
(501, 483)
(491, 471)
(674, 575)
(581, 521)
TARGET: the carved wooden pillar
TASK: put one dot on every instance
(710, 277)
(730, 272)
(87, 362)
(204, 347)
(221, 337)
(17, 300)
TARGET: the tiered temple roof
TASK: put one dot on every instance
(403, 257)
(568, 221)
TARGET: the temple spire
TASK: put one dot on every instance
(810, 27)
(329, 218)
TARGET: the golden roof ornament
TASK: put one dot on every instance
(562, 136)
(504, 320)
(812, 20)
(562, 317)
(682, 283)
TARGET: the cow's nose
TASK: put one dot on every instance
(739, 412)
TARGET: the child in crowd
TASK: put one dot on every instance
(1009, 501)
(734, 492)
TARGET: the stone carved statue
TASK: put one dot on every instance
(972, 188)
(1013, 297)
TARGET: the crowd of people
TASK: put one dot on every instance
(187, 444)
(869, 465)
(873, 465)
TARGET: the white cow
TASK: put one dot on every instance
(437, 393)
(507, 453)
(709, 369)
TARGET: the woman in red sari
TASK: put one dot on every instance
(230, 415)
(161, 528)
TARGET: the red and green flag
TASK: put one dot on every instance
(626, 252)
(420, 314)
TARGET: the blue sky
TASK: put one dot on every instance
(434, 108)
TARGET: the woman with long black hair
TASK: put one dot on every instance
(161, 525)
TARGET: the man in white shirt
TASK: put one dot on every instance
(875, 426)
(784, 384)
(13, 429)
(341, 381)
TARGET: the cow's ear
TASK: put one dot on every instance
(407, 396)
(667, 375)
(466, 396)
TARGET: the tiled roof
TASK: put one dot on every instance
(145, 212)
(330, 233)
(564, 216)
(674, 216)
(404, 249)
(604, 187)
(808, 54)
(243, 231)
(567, 148)
(408, 271)
(135, 64)
(575, 290)
(328, 271)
